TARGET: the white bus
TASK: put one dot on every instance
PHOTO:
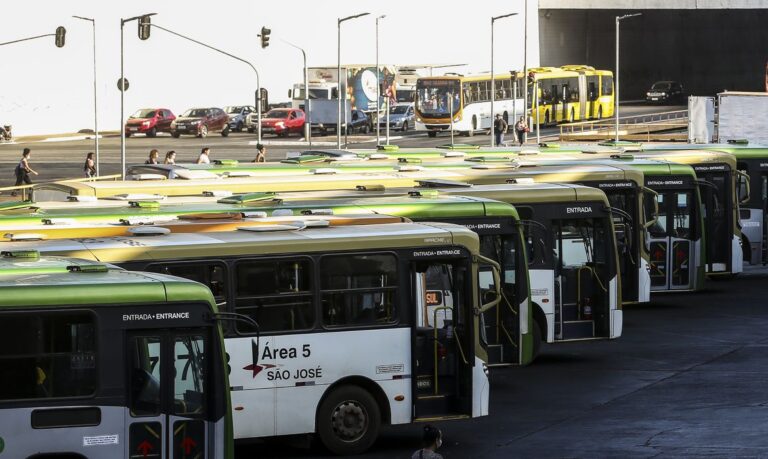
(350, 337)
(470, 99)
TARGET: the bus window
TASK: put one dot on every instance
(189, 376)
(47, 356)
(659, 228)
(607, 87)
(358, 289)
(276, 293)
(681, 223)
(145, 376)
(212, 275)
(577, 245)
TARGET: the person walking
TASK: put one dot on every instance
(204, 158)
(520, 129)
(499, 129)
(261, 153)
(153, 157)
(431, 441)
(170, 157)
(23, 170)
(89, 167)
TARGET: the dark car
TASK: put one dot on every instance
(665, 92)
(359, 122)
(201, 122)
(149, 121)
(238, 115)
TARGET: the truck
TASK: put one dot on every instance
(731, 116)
(396, 82)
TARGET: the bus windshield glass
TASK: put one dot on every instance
(314, 93)
(434, 97)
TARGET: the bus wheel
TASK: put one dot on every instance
(546, 118)
(432, 133)
(572, 117)
(348, 420)
(536, 340)
(600, 113)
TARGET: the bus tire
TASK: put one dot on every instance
(600, 113)
(348, 420)
(546, 118)
(572, 117)
(431, 133)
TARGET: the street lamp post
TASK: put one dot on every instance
(378, 87)
(493, 77)
(307, 120)
(122, 90)
(338, 74)
(95, 92)
(616, 84)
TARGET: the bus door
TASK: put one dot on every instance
(443, 354)
(584, 100)
(582, 278)
(715, 187)
(563, 108)
(673, 255)
(169, 399)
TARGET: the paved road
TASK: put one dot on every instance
(59, 160)
(687, 379)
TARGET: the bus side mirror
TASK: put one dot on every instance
(651, 206)
(334, 93)
(290, 93)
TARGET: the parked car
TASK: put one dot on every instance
(665, 92)
(360, 122)
(149, 121)
(401, 117)
(201, 122)
(281, 122)
(238, 115)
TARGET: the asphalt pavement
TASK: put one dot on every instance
(61, 158)
(686, 380)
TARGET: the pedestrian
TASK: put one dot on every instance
(90, 166)
(520, 129)
(170, 157)
(431, 441)
(23, 170)
(499, 129)
(261, 153)
(153, 157)
(204, 158)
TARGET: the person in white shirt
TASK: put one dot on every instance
(204, 158)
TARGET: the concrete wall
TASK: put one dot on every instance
(706, 50)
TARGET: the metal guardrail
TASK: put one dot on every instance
(25, 192)
(636, 127)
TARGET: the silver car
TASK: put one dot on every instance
(401, 117)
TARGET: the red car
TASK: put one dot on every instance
(200, 122)
(149, 121)
(283, 121)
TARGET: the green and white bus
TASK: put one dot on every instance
(351, 336)
(102, 362)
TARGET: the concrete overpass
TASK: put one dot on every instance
(708, 45)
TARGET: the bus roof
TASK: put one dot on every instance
(23, 286)
(234, 243)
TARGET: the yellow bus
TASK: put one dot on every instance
(570, 93)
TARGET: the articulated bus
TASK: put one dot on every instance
(102, 362)
(571, 93)
(349, 337)
(470, 99)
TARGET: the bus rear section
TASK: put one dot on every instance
(676, 237)
(574, 276)
(104, 363)
(351, 336)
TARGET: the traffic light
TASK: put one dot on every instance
(265, 36)
(61, 33)
(144, 27)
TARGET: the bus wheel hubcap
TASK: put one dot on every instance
(349, 420)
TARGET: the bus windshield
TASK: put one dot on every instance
(434, 97)
(314, 93)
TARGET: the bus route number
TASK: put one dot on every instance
(434, 298)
